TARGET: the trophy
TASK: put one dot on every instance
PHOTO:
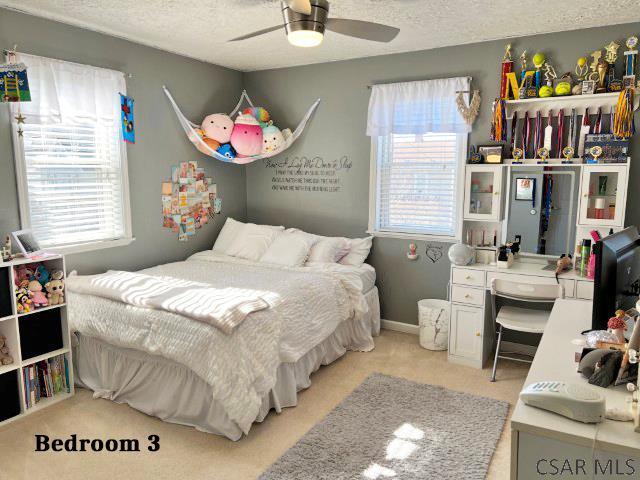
(538, 61)
(630, 56)
(507, 67)
(517, 155)
(612, 83)
(581, 75)
(601, 70)
(543, 153)
(589, 84)
(567, 153)
(595, 152)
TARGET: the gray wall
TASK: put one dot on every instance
(338, 129)
(199, 88)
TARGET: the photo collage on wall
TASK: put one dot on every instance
(189, 201)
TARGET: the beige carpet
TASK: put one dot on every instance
(187, 453)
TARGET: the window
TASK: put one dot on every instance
(417, 180)
(419, 144)
(70, 158)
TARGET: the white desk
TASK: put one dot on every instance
(471, 329)
(538, 436)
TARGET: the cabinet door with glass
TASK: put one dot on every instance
(483, 192)
(603, 195)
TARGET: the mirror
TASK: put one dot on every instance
(541, 209)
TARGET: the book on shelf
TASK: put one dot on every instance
(46, 379)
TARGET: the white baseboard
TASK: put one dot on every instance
(400, 327)
(415, 330)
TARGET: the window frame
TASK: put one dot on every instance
(23, 200)
(374, 200)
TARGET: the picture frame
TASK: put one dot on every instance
(26, 242)
(491, 153)
(588, 87)
(525, 188)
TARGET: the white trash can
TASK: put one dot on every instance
(434, 323)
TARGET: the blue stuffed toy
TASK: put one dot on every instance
(41, 274)
(226, 150)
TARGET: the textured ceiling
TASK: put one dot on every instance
(200, 29)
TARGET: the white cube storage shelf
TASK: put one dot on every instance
(38, 335)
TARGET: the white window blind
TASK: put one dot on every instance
(74, 183)
(417, 181)
(71, 163)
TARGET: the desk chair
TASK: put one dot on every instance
(517, 318)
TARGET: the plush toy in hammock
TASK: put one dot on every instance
(259, 113)
(246, 137)
(227, 150)
(273, 138)
(218, 127)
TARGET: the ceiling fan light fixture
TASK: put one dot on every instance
(305, 38)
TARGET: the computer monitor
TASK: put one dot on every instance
(617, 275)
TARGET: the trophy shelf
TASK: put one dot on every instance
(605, 101)
(555, 162)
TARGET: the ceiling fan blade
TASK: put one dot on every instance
(376, 32)
(256, 34)
(299, 6)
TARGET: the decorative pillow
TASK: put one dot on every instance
(328, 250)
(288, 248)
(253, 241)
(227, 235)
(359, 249)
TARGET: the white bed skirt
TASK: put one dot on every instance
(174, 393)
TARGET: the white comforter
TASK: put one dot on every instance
(308, 303)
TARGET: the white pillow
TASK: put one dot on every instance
(227, 235)
(328, 250)
(359, 249)
(253, 241)
(288, 248)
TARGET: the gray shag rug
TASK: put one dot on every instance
(389, 427)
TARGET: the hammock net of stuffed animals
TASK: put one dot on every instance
(191, 129)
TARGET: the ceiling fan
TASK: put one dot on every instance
(306, 20)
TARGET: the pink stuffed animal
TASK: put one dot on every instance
(218, 127)
(246, 137)
(38, 299)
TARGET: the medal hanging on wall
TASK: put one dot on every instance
(597, 129)
(585, 128)
(526, 135)
(514, 126)
(560, 134)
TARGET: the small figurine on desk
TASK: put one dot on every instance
(412, 253)
(617, 325)
(5, 252)
(564, 263)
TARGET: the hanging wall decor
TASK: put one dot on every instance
(14, 84)
(250, 136)
(128, 127)
(189, 200)
(469, 113)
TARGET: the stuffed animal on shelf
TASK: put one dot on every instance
(218, 127)
(55, 291)
(227, 150)
(38, 299)
(22, 274)
(23, 302)
(273, 139)
(41, 274)
(246, 137)
(259, 113)
(5, 356)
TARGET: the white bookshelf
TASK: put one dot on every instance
(12, 324)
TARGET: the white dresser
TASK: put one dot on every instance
(471, 330)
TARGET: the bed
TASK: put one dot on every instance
(189, 372)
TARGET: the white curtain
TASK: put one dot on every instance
(69, 93)
(427, 106)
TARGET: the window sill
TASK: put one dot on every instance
(91, 246)
(414, 236)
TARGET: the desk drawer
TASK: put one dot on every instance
(467, 276)
(569, 285)
(468, 295)
(584, 290)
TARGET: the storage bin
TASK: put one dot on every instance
(433, 316)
